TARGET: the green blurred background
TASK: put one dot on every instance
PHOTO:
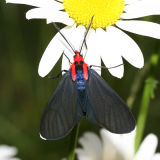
(24, 95)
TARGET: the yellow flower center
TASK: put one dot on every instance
(105, 12)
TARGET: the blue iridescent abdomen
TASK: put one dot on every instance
(80, 80)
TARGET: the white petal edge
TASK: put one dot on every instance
(141, 9)
(50, 15)
(50, 56)
(147, 148)
(144, 28)
(7, 151)
(138, 15)
(38, 3)
(110, 149)
(127, 47)
(128, 141)
(123, 143)
(109, 52)
(92, 145)
(65, 63)
(82, 155)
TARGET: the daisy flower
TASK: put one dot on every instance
(8, 153)
(116, 147)
(106, 39)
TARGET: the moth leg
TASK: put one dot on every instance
(103, 67)
(58, 75)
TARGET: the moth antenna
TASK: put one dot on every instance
(88, 28)
(68, 59)
(58, 29)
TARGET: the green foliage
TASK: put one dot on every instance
(73, 142)
(148, 93)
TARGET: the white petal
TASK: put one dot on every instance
(130, 1)
(50, 56)
(65, 63)
(7, 151)
(109, 52)
(127, 47)
(43, 13)
(141, 9)
(82, 155)
(119, 70)
(38, 3)
(156, 156)
(81, 30)
(110, 150)
(61, 17)
(123, 143)
(140, 27)
(147, 148)
(91, 145)
(75, 36)
(128, 140)
(50, 15)
(92, 54)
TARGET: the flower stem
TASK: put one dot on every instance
(148, 93)
(73, 144)
(150, 85)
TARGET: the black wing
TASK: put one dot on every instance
(61, 113)
(106, 108)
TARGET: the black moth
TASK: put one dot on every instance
(82, 92)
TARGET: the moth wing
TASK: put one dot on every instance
(61, 113)
(105, 107)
